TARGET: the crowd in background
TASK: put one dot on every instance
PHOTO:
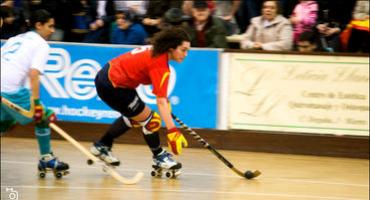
(281, 25)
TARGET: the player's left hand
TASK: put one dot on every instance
(176, 141)
(50, 116)
(38, 112)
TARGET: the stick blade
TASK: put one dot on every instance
(127, 181)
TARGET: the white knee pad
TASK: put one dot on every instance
(152, 123)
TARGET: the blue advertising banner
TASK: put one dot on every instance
(68, 84)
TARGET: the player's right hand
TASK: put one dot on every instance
(176, 141)
(39, 111)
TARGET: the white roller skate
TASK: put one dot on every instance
(49, 162)
(104, 153)
(163, 163)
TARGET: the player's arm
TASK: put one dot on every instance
(165, 112)
(174, 137)
(35, 83)
(35, 90)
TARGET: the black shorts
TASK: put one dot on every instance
(124, 100)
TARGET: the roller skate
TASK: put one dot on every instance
(163, 163)
(49, 162)
(104, 153)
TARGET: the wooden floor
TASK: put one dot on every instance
(285, 177)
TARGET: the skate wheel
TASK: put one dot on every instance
(42, 174)
(65, 173)
(156, 173)
(58, 175)
(153, 173)
(169, 174)
(90, 162)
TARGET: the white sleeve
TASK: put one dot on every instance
(40, 58)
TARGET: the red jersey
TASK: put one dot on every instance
(139, 67)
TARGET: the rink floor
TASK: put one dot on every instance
(284, 177)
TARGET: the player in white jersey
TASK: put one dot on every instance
(23, 58)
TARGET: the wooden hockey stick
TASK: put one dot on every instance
(248, 174)
(22, 111)
(109, 169)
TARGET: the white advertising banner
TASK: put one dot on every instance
(299, 93)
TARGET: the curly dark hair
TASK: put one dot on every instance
(168, 38)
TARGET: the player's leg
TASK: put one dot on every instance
(151, 123)
(42, 130)
(118, 99)
(6, 120)
(47, 159)
(9, 117)
(103, 148)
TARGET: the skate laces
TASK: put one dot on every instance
(164, 157)
(104, 150)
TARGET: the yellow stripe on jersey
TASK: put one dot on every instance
(165, 75)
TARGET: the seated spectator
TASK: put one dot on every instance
(226, 11)
(204, 29)
(13, 20)
(333, 18)
(154, 14)
(359, 38)
(125, 31)
(270, 31)
(101, 16)
(173, 17)
(303, 17)
(308, 42)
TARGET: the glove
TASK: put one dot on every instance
(176, 141)
(50, 116)
(39, 111)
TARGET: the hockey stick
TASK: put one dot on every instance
(106, 167)
(22, 111)
(248, 174)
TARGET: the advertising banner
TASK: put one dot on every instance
(68, 84)
(299, 93)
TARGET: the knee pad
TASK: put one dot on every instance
(152, 124)
(130, 123)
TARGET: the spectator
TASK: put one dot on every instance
(13, 20)
(173, 17)
(102, 15)
(308, 42)
(81, 19)
(155, 11)
(359, 38)
(333, 18)
(204, 29)
(270, 31)
(303, 18)
(287, 7)
(226, 11)
(248, 9)
(136, 8)
(125, 31)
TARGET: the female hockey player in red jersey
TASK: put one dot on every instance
(115, 84)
